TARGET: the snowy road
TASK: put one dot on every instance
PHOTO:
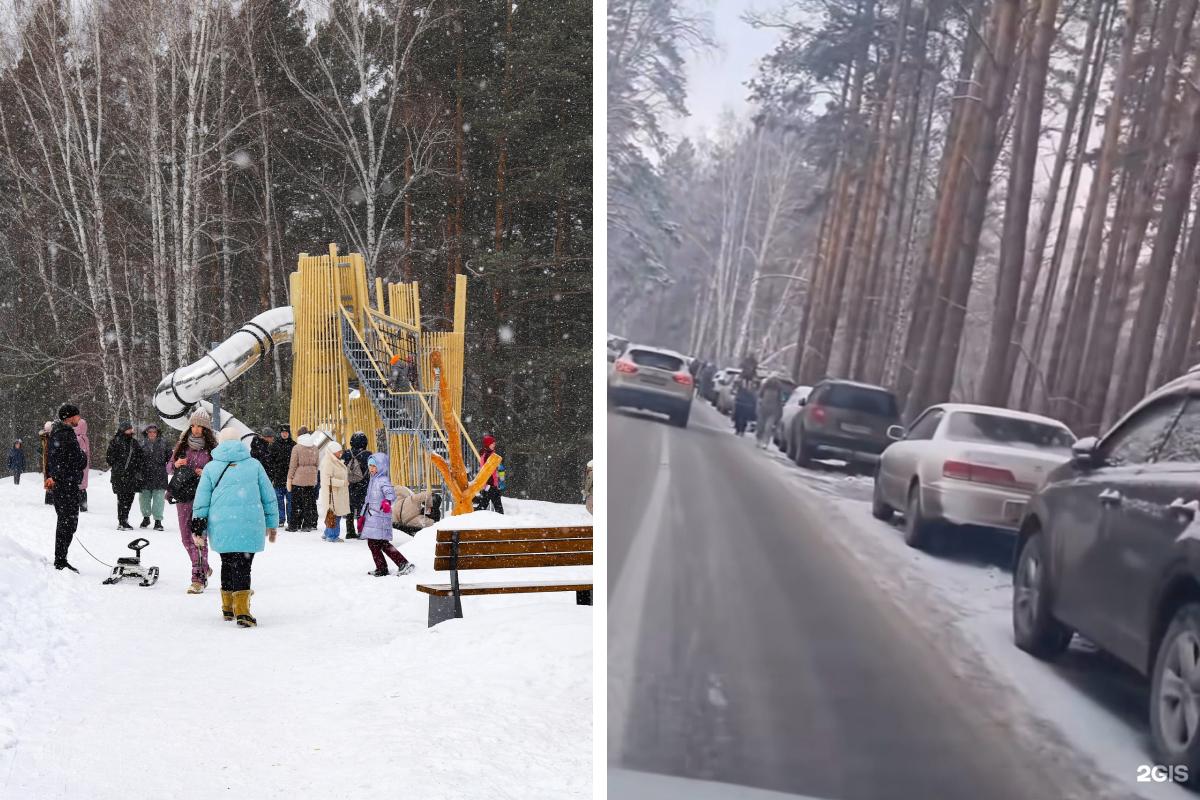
(111, 692)
(759, 635)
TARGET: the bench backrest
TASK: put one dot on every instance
(506, 548)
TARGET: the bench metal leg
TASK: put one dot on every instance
(440, 609)
(583, 598)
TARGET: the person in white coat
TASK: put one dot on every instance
(335, 491)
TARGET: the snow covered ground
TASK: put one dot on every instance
(341, 692)
(1087, 699)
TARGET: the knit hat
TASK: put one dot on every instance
(125, 426)
(489, 440)
(303, 430)
(202, 418)
(150, 427)
(336, 447)
(285, 428)
(267, 433)
(67, 410)
(230, 435)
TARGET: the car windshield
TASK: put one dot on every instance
(866, 401)
(1010, 431)
(649, 358)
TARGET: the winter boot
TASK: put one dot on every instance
(145, 522)
(227, 605)
(406, 569)
(64, 565)
(241, 607)
(196, 588)
(378, 573)
(158, 525)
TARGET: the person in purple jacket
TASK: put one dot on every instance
(193, 451)
(376, 516)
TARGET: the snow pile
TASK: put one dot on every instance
(342, 691)
(38, 612)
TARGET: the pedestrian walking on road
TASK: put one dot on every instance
(494, 490)
(192, 453)
(154, 486)
(16, 461)
(278, 460)
(302, 482)
(770, 409)
(744, 405)
(359, 476)
(65, 464)
(236, 513)
(377, 518)
(127, 471)
(335, 491)
(85, 444)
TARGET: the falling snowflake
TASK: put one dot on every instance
(506, 334)
(241, 159)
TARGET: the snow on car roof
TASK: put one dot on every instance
(650, 349)
(1001, 412)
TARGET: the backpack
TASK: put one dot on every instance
(356, 474)
(183, 485)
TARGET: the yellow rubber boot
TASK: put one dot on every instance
(227, 605)
(241, 608)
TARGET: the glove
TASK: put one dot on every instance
(386, 506)
(49, 484)
(361, 521)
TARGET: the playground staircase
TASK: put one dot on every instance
(410, 413)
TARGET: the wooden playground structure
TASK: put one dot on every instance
(347, 335)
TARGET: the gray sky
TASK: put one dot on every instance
(717, 78)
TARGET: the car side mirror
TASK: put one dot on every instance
(1083, 452)
(895, 432)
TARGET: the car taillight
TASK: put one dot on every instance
(684, 378)
(817, 413)
(980, 473)
(627, 367)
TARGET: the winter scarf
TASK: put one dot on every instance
(196, 442)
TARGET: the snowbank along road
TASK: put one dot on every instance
(764, 630)
(341, 692)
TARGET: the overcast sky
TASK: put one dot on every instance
(717, 78)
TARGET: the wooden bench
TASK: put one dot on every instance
(505, 548)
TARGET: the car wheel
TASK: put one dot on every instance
(879, 509)
(917, 530)
(1174, 702)
(803, 454)
(1035, 630)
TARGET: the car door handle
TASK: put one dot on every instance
(1110, 497)
(1185, 510)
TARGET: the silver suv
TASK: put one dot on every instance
(652, 379)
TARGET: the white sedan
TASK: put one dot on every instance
(794, 403)
(960, 464)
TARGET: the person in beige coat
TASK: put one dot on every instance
(335, 491)
(415, 510)
(302, 482)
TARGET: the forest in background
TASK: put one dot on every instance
(163, 163)
(990, 201)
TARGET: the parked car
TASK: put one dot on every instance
(791, 407)
(652, 379)
(845, 420)
(727, 390)
(961, 464)
(1110, 548)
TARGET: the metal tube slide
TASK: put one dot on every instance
(181, 392)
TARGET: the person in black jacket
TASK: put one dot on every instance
(65, 463)
(128, 471)
(279, 457)
(16, 461)
(260, 448)
(358, 490)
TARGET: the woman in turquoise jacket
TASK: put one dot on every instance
(236, 509)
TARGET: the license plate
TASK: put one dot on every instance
(657, 380)
(1013, 511)
(859, 429)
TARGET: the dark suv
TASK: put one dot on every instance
(1109, 548)
(842, 419)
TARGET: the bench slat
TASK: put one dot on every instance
(442, 563)
(443, 589)
(518, 534)
(517, 548)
